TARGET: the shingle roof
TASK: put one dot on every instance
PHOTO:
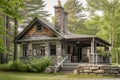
(51, 26)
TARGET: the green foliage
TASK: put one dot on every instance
(18, 66)
(40, 65)
(2, 47)
(7, 8)
(36, 65)
(103, 52)
(75, 16)
(32, 9)
(5, 67)
(106, 25)
(92, 25)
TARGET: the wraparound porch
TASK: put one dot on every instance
(83, 50)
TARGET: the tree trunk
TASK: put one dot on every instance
(15, 34)
(6, 39)
(4, 57)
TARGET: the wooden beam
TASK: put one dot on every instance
(101, 43)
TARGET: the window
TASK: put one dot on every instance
(38, 27)
(25, 48)
(38, 50)
(53, 49)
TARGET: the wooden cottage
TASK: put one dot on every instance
(41, 38)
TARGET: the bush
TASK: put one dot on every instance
(18, 66)
(5, 67)
(39, 65)
(36, 65)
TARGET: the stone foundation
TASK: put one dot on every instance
(105, 70)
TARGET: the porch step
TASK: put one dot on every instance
(68, 68)
(71, 64)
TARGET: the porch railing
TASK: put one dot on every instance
(98, 58)
(66, 58)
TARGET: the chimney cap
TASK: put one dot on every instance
(59, 3)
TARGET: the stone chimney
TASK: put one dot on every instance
(66, 23)
(60, 19)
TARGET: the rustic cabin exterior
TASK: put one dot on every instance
(41, 38)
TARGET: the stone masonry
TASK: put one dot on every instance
(106, 70)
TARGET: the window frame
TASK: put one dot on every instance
(39, 26)
(53, 49)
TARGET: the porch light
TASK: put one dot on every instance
(77, 42)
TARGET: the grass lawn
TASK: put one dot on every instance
(37, 76)
(114, 64)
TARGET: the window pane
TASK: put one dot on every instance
(39, 27)
(25, 47)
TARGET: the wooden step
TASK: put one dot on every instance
(72, 64)
(68, 68)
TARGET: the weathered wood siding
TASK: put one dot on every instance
(33, 32)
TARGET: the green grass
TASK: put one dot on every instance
(37, 76)
(114, 64)
(89, 76)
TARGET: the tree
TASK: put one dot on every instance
(32, 9)
(75, 16)
(108, 23)
(15, 35)
(7, 10)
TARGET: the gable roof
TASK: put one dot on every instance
(44, 22)
(51, 27)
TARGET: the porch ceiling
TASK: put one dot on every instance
(86, 42)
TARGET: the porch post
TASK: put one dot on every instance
(64, 48)
(93, 50)
(58, 49)
(71, 52)
(21, 51)
(47, 49)
(30, 49)
(110, 58)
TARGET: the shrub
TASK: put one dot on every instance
(18, 66)
(36, 65)
(39, 65)
(5, 67)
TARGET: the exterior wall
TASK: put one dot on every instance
(46, 45)
(32, 32)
